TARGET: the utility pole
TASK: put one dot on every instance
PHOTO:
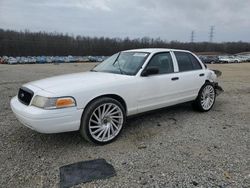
(192, 37)
(211, 34)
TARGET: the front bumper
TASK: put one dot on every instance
(47, 121)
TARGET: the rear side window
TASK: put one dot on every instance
(163, 61)
(195, 62)
(187, 61)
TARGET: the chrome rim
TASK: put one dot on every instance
(106, 122)
(207, 97)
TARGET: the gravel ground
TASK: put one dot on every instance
(173, 147)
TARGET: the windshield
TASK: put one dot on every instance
(128, 63)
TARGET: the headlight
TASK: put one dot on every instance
(53, 103)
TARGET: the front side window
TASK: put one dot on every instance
(162, 61)
(128, 63)
(187, 61)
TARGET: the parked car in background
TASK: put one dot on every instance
(4, 60)
(32, 59)
(66, 59)
(48, 59)
(84, 59)
(24, 60)
(92, 59)
(101, 58)
(97, 103)
(12, 60)
(54, 59)
(41, 59)
(18, 59)
(243, 58)
(229, 59)
(248, 58)
(210, 59)
(81, 59)
(72, 59)
(60, 59)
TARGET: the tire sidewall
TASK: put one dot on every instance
(84, 128)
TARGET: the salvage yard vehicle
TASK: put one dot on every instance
(229, 59)
(12, 60)
(41, 59)
(3, 60)
(97, 103)
(210, 59)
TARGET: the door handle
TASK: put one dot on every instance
(175, 78)
(202, 75)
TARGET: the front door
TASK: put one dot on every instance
(158, 90)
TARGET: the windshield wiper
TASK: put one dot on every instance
(92, 70)
(118, 63)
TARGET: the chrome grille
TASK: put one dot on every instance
(25, 95)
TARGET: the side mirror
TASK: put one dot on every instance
(150, 71)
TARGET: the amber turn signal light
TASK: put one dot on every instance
(65, 102)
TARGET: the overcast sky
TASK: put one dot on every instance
(167, 19)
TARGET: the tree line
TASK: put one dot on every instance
(25, 43)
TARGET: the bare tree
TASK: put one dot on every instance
(27, 43)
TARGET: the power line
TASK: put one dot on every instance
(211, 34)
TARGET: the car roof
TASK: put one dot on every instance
(154, 50)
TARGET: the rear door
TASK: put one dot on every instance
(191, 75)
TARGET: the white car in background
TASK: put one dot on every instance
(97, 102)
(12, 60)
(229, 59)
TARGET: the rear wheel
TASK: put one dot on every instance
(206, 98)
(102, 121)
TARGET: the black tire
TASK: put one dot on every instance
(197, 104)
(85, 121)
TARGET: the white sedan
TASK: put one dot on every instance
(98, 102)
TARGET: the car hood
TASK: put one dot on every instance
(70, 82)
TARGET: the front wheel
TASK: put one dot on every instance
(102, 121)
(206, 98)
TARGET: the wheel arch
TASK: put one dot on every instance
(113, 96)
(206, 82)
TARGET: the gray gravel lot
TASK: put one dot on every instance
(173, 147)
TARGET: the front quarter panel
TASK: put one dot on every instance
(125, 89)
